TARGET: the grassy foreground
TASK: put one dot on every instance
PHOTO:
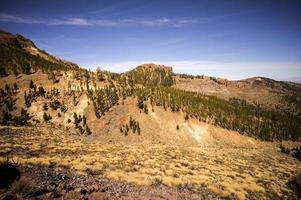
(227, 171)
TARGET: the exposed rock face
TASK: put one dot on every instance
(153, 67)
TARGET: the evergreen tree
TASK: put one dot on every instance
(26, 68)
(31, 84)
(46, 117)
(2, 71)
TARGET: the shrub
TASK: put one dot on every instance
(295, 183)
(41, 91)
(81, 130)
(186, 117)
(8, 173)
(145, 109)
(23, 118)
(2, 71)
(26, 68)
(87, 130)
(157, 181)
(140, 103)
(45, 106)
(284, 149)
(55, 104)
(6, 118)
(76, 119)
(63, 108)
(46, 117)
(296, 153)
(31, 84)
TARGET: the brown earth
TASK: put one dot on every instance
(259, 90)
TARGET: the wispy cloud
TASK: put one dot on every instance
(173, 22)
(18, 19)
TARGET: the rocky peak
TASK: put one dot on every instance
(152, 66)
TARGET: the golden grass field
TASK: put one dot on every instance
(228, 171)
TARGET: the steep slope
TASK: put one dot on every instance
(20, 55)
(161, 127)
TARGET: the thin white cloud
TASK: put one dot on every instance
(102, 22)
(70, 21)
(229, 70)
(18, 19)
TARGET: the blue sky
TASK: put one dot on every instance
(233, 39)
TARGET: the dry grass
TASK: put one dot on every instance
(229, 172)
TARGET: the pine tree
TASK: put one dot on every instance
(2, 71)
(76, 119)
(45, 106)
(84, 120)
(31, 84)
(46, 117)
(145, 109)
(16, 88)
(26, 68)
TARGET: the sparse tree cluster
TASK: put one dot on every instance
(81, 124)
(23, 118)
(150, 76)
(133, 126)
(235, 114)
(56, 104)
(15, 60)
(104, 99)
(295, 152)
(54, 92)
(52, 77)
(7, 105)
(33, 93)
(188, 76)
(7, 97)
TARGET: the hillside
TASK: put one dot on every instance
(258, 107)
(257, 90)
(20, 55)
(150, 75)
(143, 131)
